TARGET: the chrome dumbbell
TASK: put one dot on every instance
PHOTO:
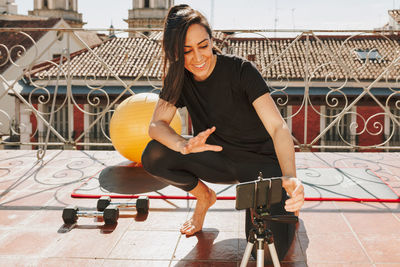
(141, 204)
(71, 214)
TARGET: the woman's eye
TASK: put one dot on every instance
(202, 47)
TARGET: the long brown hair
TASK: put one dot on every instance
(176, 24)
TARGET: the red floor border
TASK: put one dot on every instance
(121, 196)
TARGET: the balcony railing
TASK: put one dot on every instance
(337, 90)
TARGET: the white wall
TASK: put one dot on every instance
(48, 43)
(394, 25)
(26, 125)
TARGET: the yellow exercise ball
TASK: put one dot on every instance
(130, 123)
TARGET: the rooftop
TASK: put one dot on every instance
(20, 17)
(32, 233)
(13, 41)
(331, 56)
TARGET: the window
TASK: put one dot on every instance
(101, 130)
(395, 140)
(59, 123)
(335, 135)
(283, 111)
(368, 54)
(70, 5)
(60, 35)
(45, 4)
(286, 113)
(146, 3)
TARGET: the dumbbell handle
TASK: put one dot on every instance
(123, 205)
(92, 214)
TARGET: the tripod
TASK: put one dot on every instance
(260, 234)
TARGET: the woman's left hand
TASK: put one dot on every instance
(295, 190)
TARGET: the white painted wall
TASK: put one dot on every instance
(50, 45)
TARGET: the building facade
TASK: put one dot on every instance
(148, 14)
(335, 92)
(8, 7)
(65, 9)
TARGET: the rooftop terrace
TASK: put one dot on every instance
(32, 233)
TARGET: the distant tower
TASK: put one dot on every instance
(8, 7)
(148, 13)
(66, 9)
(111, 31)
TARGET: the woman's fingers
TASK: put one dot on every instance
(296, 200)
(299, 190)
(198, 143)
(213, 148)
(193, 149)
(294, 203)
(199, 139)
(205, 134)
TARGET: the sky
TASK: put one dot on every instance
(252, 14)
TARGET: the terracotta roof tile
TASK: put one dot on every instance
(330, 57)
(395, 14)
(12, 39)
(90, 38)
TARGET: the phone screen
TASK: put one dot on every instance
(267, 189)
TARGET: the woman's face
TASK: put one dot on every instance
(199, 57)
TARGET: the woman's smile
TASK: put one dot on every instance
(199, 57)
(200, 66)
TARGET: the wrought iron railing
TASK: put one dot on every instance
(338, 90)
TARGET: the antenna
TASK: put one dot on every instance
(212, 14)
(294, 27)
(276, 17)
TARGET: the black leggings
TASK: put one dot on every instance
(225, 167)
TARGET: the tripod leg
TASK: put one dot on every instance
(260, 253)
(247, 254)
(274, 255)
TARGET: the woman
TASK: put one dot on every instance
(238, 131)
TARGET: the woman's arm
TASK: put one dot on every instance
(160, 130)
(280, 134)
(284, 148)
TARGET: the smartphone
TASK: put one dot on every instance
(268, 190)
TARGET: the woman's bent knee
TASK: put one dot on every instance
(155, 156)
(149, 155)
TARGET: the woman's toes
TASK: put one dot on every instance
(190, 230)
(183, 229)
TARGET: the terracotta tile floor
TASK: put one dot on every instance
(33, 194)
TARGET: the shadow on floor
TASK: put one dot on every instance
(127, 179)
(229, 252)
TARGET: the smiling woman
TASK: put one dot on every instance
(238, 131)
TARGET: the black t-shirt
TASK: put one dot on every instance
(224, 100)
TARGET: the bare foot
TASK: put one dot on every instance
(195, 223)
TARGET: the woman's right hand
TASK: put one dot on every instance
(198, 143)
